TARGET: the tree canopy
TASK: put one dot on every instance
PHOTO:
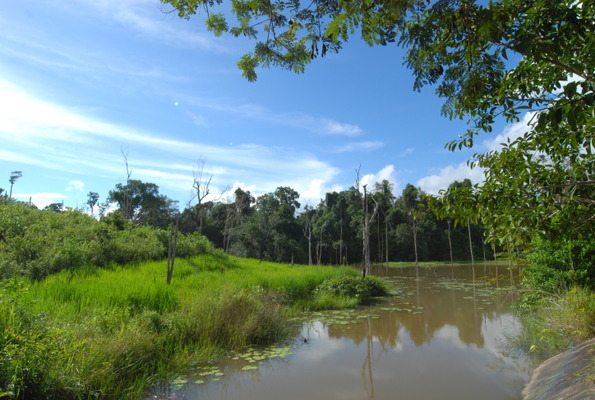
(141, 202)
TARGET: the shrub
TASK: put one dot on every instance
(193, 244)
(137, 244)
(27, 347)
(35, 243)
(555, 266)
(363, 289)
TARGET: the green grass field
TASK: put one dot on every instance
(113, 332)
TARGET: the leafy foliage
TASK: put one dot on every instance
(558, 265)
(331, 232)
(558, 322)
(141, 203)
(37, 243)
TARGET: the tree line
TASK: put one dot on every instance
(341, 229)
(402, 228)
(275, 227)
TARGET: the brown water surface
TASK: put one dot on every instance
(441, 338)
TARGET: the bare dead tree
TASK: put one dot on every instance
(307, 230)
(202, 188)
(128, 170)
(367, 263)
(127, 199)
(414, 219)
(367, 220)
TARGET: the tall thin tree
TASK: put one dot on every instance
(14, 176)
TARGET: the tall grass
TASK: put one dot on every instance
(110, 333)
(557, 322)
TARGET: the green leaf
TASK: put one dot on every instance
(217, 24)
(248, 64)
(336, 27)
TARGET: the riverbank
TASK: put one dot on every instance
(569, 375)
(112, 333)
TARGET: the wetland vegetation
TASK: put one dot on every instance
(114, 332)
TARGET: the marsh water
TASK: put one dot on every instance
(441, 337)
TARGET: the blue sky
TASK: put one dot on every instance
(84, 81)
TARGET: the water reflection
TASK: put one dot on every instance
(431, 302)
(439, 339)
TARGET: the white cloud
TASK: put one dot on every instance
(386, 173)
(75, 185)
(228, 196)
(148, 18)
(406, 152)
(62, 56)
(320, 125)
(447, 175)
(434, 183)
(18, 157)
(315, 192)
(359, 146)
(336, 128)
(69, 139)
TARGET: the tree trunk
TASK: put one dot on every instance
(310, 248)
(171, 251)
(380, 249)
(386, 239)
(450, 242)
(307, 230)
(470, 242)
(415, 239)
(367, 264)
(341, 243)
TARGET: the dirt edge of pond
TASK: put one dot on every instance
(569, 376)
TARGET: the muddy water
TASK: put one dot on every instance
(440, 338)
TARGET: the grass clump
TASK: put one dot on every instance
(361, 290)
